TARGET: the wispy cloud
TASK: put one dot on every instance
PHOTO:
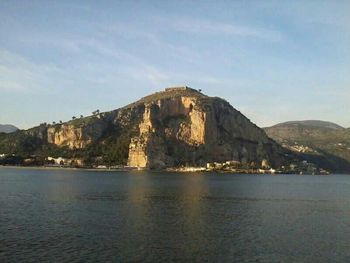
(198, 26)
(20, 74)
(152, 36)
(150, 74)
(16, 73)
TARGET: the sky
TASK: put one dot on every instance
(274, 61)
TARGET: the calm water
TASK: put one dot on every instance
(85, 216)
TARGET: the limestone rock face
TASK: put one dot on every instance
(192, 129)
(73, 136)
(137, 153)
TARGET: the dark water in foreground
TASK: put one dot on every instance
(85, 216)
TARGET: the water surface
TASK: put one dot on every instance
(86, 216)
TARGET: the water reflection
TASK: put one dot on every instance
(91, 216)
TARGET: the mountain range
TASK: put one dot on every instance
(181, 126)
(176, 127)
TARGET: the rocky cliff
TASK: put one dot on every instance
(189, 128)
(178, 126)
(76, 136)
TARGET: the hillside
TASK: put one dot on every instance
(317, 138)
(311, 124)
(175, 127)
(7, 128)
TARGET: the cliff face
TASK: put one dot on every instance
(75, 137)
(192, 129)
(171, 128)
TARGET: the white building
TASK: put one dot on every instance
(59, 160)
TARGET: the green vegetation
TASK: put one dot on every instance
(117, 151)
(19, 143)
(81, 122)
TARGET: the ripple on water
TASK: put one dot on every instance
(81, 217)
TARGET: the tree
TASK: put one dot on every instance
(81, 116)
(96, 112)
(73, 118)
(60, 121)
(53, 123)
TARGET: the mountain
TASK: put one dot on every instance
(7, 128)
(311, 124)
(175, 127)
(315, 138)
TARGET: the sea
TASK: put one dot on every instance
(63, 215)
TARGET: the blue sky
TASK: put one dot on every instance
(272, 60)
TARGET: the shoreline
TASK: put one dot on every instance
(67, 168)
(168, 170)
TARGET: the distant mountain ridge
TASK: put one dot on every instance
(8, 128)
(311, 123)
(315, 137)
